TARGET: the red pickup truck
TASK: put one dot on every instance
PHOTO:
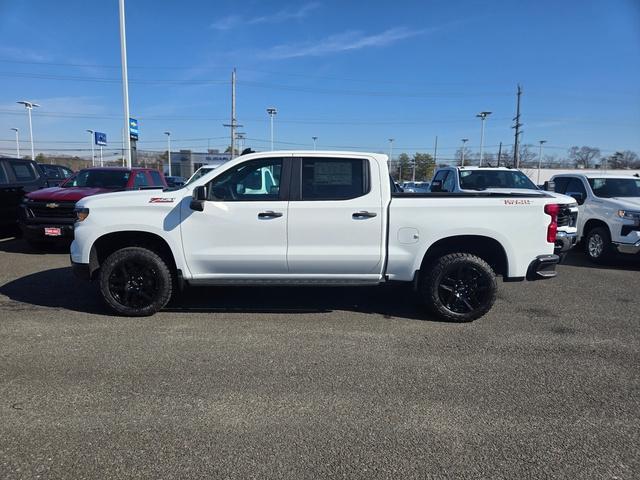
(48, 215)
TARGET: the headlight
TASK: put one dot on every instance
(81, 214)
(629, 215)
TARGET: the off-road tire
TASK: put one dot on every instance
(436, 287)
(149, 279)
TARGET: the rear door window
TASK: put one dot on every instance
(22, 171)
(334, 178)
(561, 184)
(576, 186)
(3, 175)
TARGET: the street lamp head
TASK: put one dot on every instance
(272, 111)
(465, 140)
(28, 104)
(167, 133)
(542, 142)
(314, 138)
(483, 115)
(90, 131)
(14, 129)
(391, 140)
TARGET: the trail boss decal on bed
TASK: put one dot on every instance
(517, 201)
(160, 200)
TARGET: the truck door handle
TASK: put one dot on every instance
(364, 214)
(269, 214)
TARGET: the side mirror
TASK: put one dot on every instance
(549, 186)
(199, 196)
(578, 196)
(436, 186)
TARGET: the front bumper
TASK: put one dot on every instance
(628, 248)
(543, 267)
(35, 231)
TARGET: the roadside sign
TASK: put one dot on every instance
(100, 139)
(133, 129)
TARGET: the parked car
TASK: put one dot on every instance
(609, 205)
(328, 218)
(17, 177)
(173, 181)
(55, 174)
(416, 187)
(47, 215)
(502, 179)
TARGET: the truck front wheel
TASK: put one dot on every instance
(597, 245)
(459, 287)
(135, 282)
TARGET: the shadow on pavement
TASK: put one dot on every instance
(11, 244)
(59, 288)
(576, 258)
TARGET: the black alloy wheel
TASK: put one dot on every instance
(459, 287)
(135, 281)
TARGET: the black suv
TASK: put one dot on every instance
(17, 177)
(55, 174)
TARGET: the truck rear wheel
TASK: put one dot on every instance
(135, 282)
(459, 287)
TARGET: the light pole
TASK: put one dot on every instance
(168, 134)
(314, 142)
(464, 142)
(272, 113)
(542, 142)
(17, 142)
(483, 116)
(93, 155)
(390, 150)
(125, 82)
(29, 106)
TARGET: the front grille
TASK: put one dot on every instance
(567, 218)
(51, 209)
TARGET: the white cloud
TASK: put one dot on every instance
(23, 54)
(232, 21)
(352, 40)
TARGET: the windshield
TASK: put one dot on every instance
(112, 179)
(483, 179)
(615, 187)
(201, 172)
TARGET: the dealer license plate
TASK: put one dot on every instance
(52, 231)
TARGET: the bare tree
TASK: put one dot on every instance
(468, 155)
(624, 160)
(584, 156)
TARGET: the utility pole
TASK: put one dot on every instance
(435, 150)
(542, 142)
(234, 122)
(482, 116)
(516, 146)
(168, 134)
(464, 141)
(125, 82)
(390, 152)
(499, 153)
(17, 142)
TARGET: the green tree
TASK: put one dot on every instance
(404, 163)
(425, 166)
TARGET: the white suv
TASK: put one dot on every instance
(609, 211)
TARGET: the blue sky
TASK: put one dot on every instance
(352, 73)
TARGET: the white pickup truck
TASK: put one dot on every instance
(609, 219)
(317, 218)
(503, 179)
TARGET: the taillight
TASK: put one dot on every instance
(552, 210)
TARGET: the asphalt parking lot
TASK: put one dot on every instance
(310, 383)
